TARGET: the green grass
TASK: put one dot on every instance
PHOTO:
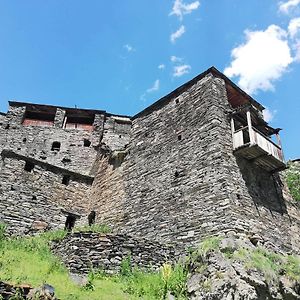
(29, 260)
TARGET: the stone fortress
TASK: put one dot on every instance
(200, 161)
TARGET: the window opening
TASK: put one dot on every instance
(70, 222)
(176, 174)
(24, 140)
(86, 143)
(28, 166)
(55, 146)
(66, 179)
(179, 137)
(92, 217)
(76, 120)
(39, 118)
(66, 160)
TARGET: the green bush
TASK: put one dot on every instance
(209, 244)
(292, 177)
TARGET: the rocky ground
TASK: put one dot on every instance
(240, 269)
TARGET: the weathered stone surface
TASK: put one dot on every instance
(181, 182)
(40, 199)
(214, 275)
(82, 251)
(172, 177)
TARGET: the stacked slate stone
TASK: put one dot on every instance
(82, 251)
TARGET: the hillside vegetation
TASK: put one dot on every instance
(29, 260)
(292, 177)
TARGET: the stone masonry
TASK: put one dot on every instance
(82, 251)
(168, 174)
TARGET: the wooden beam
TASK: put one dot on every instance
(250, 126)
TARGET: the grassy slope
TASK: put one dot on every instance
(29, 260)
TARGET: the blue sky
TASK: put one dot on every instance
(123, 55)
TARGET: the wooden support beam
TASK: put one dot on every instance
(232, 131)
(250, 126)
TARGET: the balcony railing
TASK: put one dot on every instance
(253, 145)
(241, 138)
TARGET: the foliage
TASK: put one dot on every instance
(292, 177)
(292, 267)
(97, 228)
(207, 245)
(267, 262)
(156, 285)
(125, 268)
(29, 260)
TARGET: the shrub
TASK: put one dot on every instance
(292, 177)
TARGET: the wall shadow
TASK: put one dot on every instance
(264, 188)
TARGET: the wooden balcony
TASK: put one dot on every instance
(253, 145)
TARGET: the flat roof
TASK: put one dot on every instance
(47, 107)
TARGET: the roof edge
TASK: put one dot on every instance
(22, 103)
(214, 71)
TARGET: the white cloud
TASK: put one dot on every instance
(294, 27)
(181, 70)
(175, 59)
(296, 48)
(154, 88)
(263, 58)
(129, 48)
(161, 67)
(269, 114)
(177, 34)
(285, 7)
(179, 8)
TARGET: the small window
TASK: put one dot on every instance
(92, 217)
(28, 166)
(24, 140)
(176, 174)
(66, 160)
(179, 137)
(177, 101)
(66, 179)
(70, 222)
(33, 197)
(86, 143)
(55, 146)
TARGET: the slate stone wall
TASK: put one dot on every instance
(82, 251)
(107, 193)
(175, 183)
(182, 181)
(36, 141)
(37, 200)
